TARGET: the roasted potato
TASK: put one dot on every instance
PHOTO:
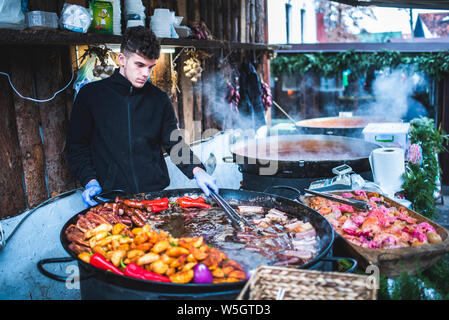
(117, 228)
(85, 256)
(101, 228)
(188, 266)
(176, 252)
(160, 246)
(117, 255)
(159, 267)
(148, 258)
(179, 261)
(218, 273)
(167, 259)
(143, 246)
(135, 254)
(182, 277)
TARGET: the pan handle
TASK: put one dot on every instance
(41, 263)
(101, 198)
(228, 159)
(283, 187)
(336, 259)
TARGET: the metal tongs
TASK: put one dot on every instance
(234, 216)
(359, 204)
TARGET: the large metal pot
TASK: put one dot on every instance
(301, 156)
(100, 284)
(338, 126)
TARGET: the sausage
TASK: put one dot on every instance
(126, 221)
(134, 204)
(135, 219)
(115, 208)
(140, 215)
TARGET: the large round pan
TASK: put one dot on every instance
(338, 126)
(301, 156)
(293, 208)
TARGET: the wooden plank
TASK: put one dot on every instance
(44, 5)
(198, 110)
(190, 12)
(182, 10)
(203, 12)
(235, 27)
(27, 119)
(12, 195)
(180, 111)
(260, 21)
(248, 20)
(211, 17)
(219, 19)
(196, 11)
(252, 31)
(225, 12)
(49, 79)
(242, 21)
(209, 95)
(187, 105)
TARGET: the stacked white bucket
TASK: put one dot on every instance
(135, 7)
(161, 22)
(117, 17)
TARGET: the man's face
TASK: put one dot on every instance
(136, 68)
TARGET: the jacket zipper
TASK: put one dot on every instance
(130, 140)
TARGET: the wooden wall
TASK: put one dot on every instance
(33, 165)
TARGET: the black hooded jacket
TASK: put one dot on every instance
(117, 135)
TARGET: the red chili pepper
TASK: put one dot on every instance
(156, 202)
(199, 199)
(134, 271)
(193, 204)
(97, 260)
(155, 209)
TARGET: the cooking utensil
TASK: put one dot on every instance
(359, 204)
(301, 156)
(234, 216)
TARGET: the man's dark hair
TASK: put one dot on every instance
(142, 41)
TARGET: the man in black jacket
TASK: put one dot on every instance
(120, 126)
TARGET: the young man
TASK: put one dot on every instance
(120, 126)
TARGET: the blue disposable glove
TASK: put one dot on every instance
(205, 181)
(92, 188)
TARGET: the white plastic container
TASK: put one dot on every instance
(388, 134)
(42, 20)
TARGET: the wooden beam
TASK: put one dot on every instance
(12, 195)
(182, 10)
(187, 104)
(243, 21)
(27, 118)
(219, 19)
(260, 21)
(49, 79)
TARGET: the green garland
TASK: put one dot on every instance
(434, 64)
(420, 179)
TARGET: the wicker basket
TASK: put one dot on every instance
(283, 283)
